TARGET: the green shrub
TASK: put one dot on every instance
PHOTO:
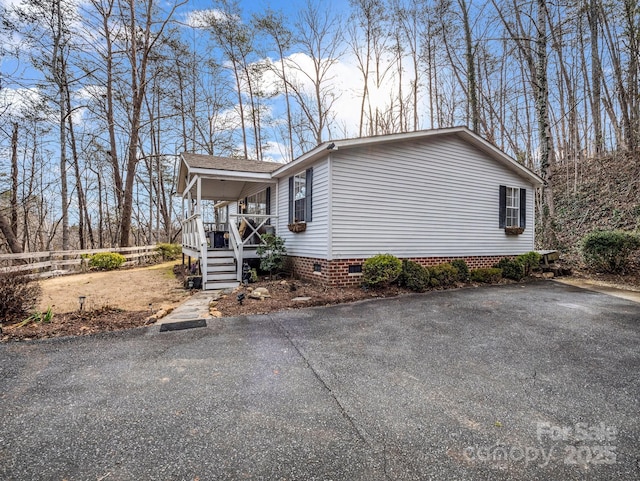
(442, 275)
(463, 269)
(487, 275)
(19, 295)
(609, 251)
(106, 261)
(414, 276)
(380, 270)
(272, 253)
(530, 262)
(169, 252)
(511, 269)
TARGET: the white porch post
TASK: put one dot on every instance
(199, 195)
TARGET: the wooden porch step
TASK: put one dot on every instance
(222, 276)
(217, 261)
(221, 267)
(219, 253)
(215, 285)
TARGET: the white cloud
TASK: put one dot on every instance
(15, 102)
(204, 18)
(90, 92)
(10, 3)
(345, 80)
(274, 152)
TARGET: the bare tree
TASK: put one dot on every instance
(139, 53)
(272, 24)
(234, 38)
(318, 37)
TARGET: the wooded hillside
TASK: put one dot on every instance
(599, 193)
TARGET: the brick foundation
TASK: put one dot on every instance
(335, 273)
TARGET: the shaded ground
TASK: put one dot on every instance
(467, 384)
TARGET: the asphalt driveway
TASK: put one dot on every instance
(537, 381)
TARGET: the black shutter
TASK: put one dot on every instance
(290, 200)
(308, 207)
(523, 208)
(502, 219)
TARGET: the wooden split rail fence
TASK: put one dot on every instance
(53, 263)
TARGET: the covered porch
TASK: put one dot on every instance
(226, 209)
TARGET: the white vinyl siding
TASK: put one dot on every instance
(313, 242)
(437, 197)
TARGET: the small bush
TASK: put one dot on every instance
(530, 262)
(169, 252)
(414, 276)
(19, 295)
(380, 270)
(442, 275)
(272, 253)
(511, 269)
(487, 275)
(106, 261)
(609, 251)
(463, 269)
(38, 317)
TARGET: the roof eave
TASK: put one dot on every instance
(232, 175)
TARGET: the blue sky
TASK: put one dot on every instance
(287, 7)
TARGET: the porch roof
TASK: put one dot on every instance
(223, 178)
(212, 162)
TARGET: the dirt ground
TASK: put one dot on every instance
(126, 289)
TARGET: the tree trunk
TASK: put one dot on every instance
(14, 180)
(596, 76)
(544, 135)
(472, 88)
(12, 241)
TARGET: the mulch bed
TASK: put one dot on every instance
(283, 292)
(76, 324)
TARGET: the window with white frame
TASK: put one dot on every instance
(300, 196)
(513, 207)
(257, 203)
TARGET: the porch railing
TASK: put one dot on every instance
(237, 241)
(193, 237)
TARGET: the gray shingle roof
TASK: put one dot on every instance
(198, 161)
